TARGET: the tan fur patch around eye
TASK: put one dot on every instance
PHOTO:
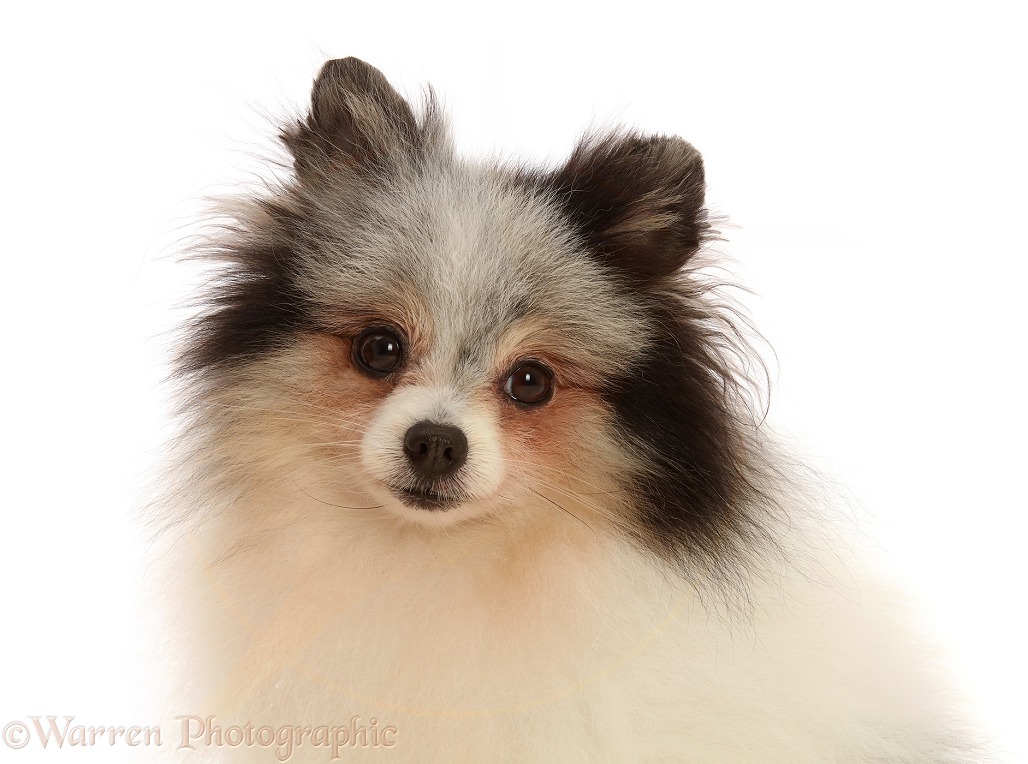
(324, 376)
(298, 404)
(403, 309)
(539, 340)
(566, 452)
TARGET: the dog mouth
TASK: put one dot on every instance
(424, 498)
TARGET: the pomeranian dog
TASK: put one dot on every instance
(472, 471)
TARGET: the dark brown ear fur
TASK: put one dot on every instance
(356, 117)
(637, 200)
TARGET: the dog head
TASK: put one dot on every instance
(461, 340)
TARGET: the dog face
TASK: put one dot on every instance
(460, 340)
(475, 324)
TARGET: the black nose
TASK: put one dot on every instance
(435, 450)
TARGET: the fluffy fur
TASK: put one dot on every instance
(628, 572)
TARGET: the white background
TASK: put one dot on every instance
(872, 161)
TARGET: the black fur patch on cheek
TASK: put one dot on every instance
(252, 303)
(249, 317)
(693, 491)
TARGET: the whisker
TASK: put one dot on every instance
(562, 508)
(562, 473)
(328, 503)
(599, 509)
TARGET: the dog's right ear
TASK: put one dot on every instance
(356, 118)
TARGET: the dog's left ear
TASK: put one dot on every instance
(638, 201)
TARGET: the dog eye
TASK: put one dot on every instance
(530, 384)
(378, 352)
